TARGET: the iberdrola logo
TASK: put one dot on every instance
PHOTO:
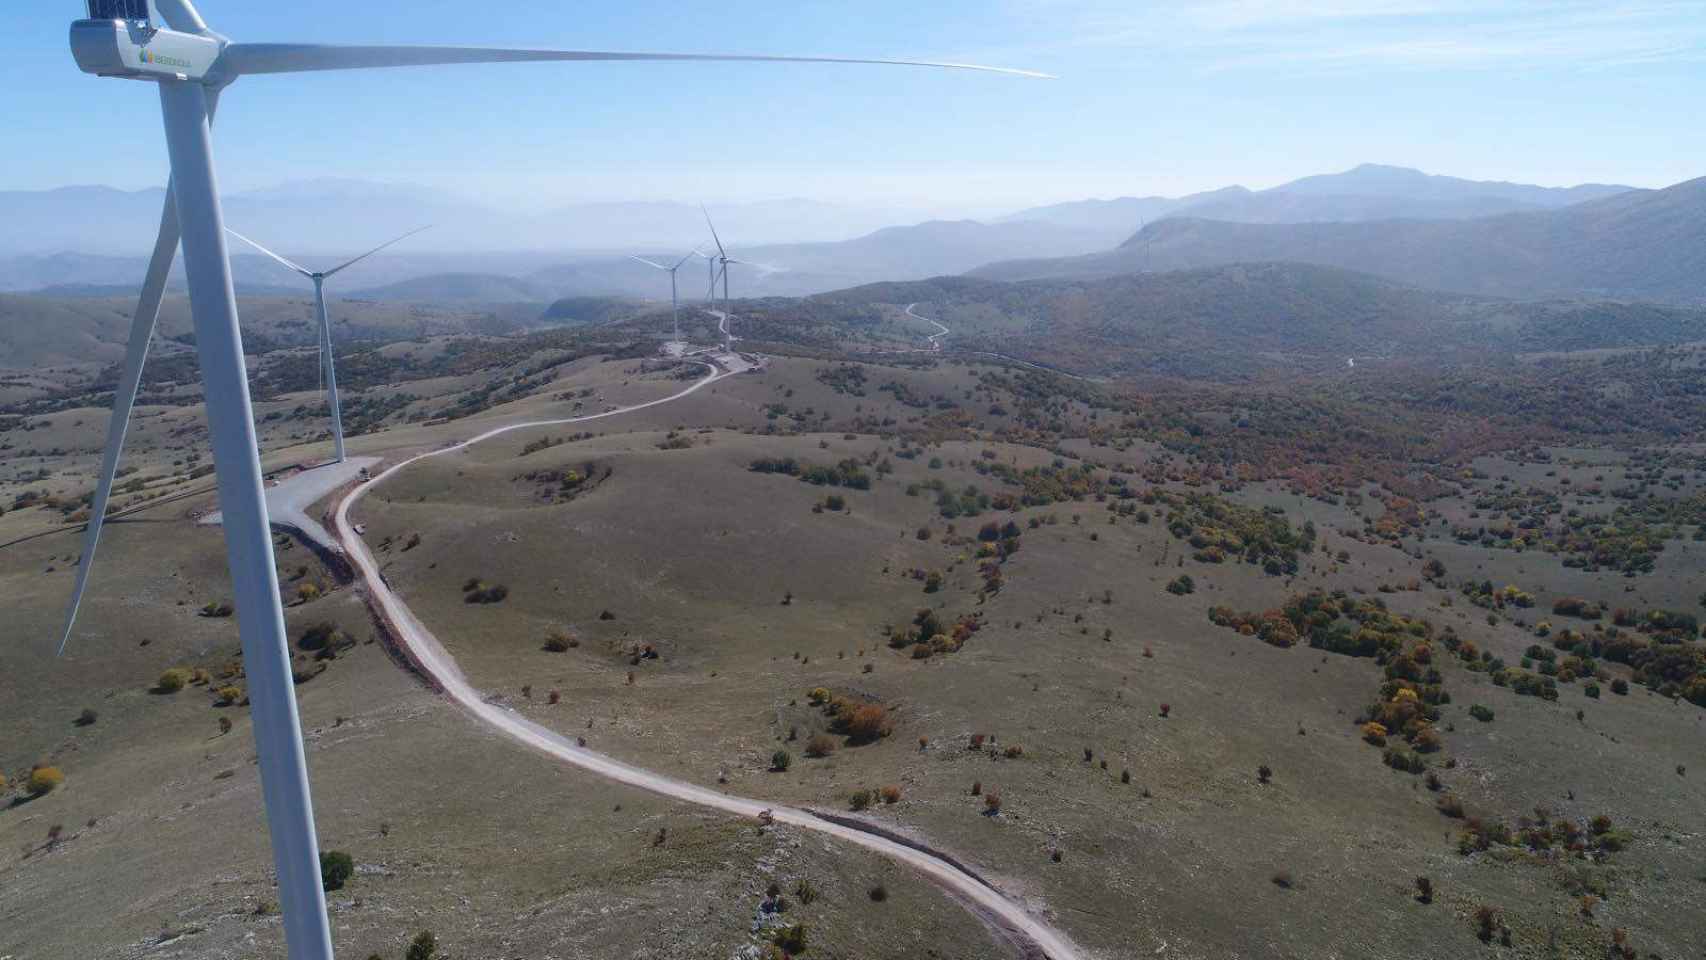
(150, 57)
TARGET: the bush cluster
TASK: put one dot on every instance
(1219, 530)
(928, 635)
(1414, 688)
(848, 473)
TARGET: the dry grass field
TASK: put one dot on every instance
(1167, 786)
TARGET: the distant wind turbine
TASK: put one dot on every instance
(191, 66)
(711, 277)
(674, 300)
(328, 365)
(723, 260)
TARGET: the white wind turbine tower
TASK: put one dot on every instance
(674, 298)
(721, 262)
(328, 364)
(710, 278)
(167, 42)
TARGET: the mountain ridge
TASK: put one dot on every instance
(1648, 244)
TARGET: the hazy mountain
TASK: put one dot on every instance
(1248, 318)
(1644, 244)
(1368, 192)
(331, 216)
(577, 250)
(1379, 180)
(900, 253)
(893, 253)
(459, 287)
(1114, 220)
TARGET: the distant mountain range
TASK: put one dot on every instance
(1635, 244)
(67, 241)
(928, 249)
(345, 216)
(1368, 192)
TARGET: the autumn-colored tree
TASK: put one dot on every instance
(45, 780)
(868, 723)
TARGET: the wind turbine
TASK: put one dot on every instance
(167, 42)
(674, 300)
(328, 366)
(722, 260)
(711, 278)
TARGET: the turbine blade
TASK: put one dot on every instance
(350, 263)
(720, 251)
(124, 398)
(683, 260)
(254, 58)
(299, 269)
(181, 16)
(648, 263)
(136, 353)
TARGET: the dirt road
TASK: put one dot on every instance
(1031, 933)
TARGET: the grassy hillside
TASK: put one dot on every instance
(1234, 321)
(40, 331)
(1122, 714)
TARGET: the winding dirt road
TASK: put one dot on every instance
(935, 340)
(1034, 937)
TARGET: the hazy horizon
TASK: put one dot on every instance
(1150, 101)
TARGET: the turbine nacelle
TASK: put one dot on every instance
(137, 50)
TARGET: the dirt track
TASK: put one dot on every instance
(435, 663)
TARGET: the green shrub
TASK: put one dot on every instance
(791, 938)
(336, 868)
(477, 591)
(172, 680)
(1401, 759)
(1483, 714)
(424, 947)
(781, 760)
(1181, 585)
(860, 799)
(319, 636)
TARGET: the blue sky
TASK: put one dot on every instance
(1153, 98)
